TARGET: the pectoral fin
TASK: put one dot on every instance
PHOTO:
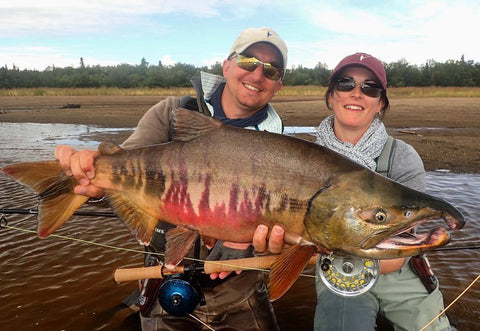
(287, 267)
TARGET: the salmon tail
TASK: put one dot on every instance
(55, 190)
(287, 267)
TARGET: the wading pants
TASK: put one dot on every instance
(238, 303)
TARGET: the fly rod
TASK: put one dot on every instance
(26, 211)
(262, 262)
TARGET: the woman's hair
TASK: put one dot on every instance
(383, 97)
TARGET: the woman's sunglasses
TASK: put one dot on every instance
(347, 84)
(251, 63)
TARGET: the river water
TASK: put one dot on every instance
(65, 283)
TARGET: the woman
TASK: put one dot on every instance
(357, 96)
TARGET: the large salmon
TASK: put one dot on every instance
(221, 182)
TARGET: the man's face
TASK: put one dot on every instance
(247, 92)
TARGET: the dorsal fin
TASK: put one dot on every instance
(188, 125)
(108, 148)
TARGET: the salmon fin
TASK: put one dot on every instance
(109, 148)
(287, 267)
(56, 208)
(188, 125)
(38, 176)
(55, 190)
(179, 242)
(141, 224)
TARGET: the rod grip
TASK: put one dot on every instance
(261, 262)
(128, 274)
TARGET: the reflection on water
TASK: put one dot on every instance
(33, 141)
(293, 130)
(58, 283)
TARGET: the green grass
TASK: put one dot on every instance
(394, 92)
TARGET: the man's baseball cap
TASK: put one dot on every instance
(362, 60)
(252, 36)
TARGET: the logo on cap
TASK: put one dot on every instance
(363, 57)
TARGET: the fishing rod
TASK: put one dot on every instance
(250, 263)
(179, 293)
(261, 262)
(36, 211)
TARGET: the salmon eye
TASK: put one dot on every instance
(380, 216)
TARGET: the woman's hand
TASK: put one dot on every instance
(388, 266)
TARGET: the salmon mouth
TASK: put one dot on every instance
(407, 241)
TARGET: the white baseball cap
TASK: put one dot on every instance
(252, 36)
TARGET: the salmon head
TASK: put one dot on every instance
(365, 214)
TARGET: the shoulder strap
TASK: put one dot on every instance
(383, 161)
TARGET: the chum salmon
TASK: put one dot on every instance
(221, 182)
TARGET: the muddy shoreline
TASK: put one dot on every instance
(445, 131)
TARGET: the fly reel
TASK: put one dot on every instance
(179, 296)
(348, 276)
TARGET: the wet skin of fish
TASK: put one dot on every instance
(222, 182)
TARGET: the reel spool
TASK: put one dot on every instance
(177, 296)
(348, 275)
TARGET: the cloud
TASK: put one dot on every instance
(167, 60)
(315, 30)
(40, 57)
(58, 17)
(391, 30)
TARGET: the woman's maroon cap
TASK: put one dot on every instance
(363, 60)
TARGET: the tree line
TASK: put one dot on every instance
(399, 74)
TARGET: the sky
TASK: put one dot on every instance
(41, 33)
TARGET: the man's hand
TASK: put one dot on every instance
(226, 250)
(274, 244)
(79, 164)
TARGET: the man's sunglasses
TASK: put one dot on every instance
(347, 84)
(251, 63)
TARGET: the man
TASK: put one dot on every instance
(252, 75)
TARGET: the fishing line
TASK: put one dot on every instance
(451, 304)
(201, 322)
(3, 224)
(76, 239)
